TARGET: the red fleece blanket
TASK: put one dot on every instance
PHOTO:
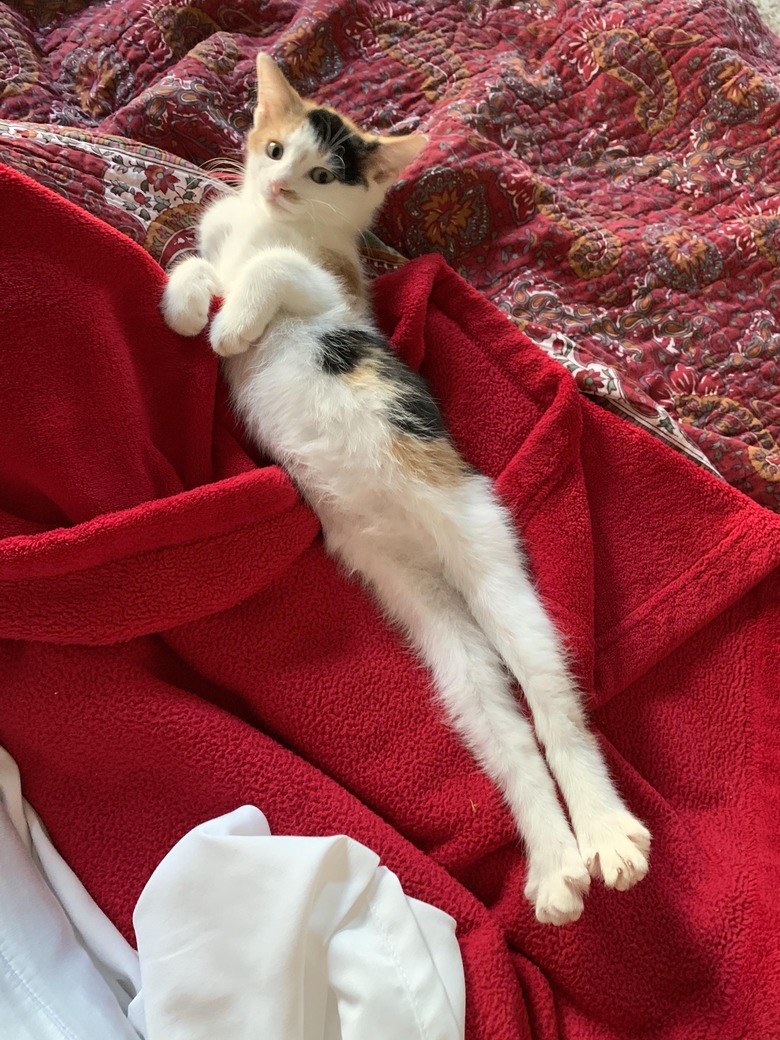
(174, 642)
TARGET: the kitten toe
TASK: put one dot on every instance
(558, 891)
(616, 849)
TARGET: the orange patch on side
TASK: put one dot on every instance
(348, 271)
(436, 462)
(366, 376)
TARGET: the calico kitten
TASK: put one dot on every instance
(323, 393)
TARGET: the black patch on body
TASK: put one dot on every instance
(412, 409)
(348, 151)
(343, 349)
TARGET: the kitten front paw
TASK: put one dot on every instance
(616, 849)
(557, 889)
(237, 327)
(226, 337)
(187, 297)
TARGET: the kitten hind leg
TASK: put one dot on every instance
(473, 686)
(485, 562)
(187, 297)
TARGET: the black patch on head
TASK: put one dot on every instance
(412, 408)
(347, 150)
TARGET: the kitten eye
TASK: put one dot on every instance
(274, 150)
(322, 176)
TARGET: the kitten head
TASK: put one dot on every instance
(306, 162)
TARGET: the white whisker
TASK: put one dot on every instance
(342, 217)
(223, 165)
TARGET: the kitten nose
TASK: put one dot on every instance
(278, 188)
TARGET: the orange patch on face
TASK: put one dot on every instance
(275, 129)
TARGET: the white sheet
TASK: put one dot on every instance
(241, 934)
(50, 986)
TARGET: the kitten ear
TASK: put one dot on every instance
(394, 154)
(276, 99)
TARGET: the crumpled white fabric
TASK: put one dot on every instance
(55, 982)
(241, 934)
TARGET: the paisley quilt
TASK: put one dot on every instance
(607, 173)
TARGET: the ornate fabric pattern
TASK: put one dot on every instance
(608, 174)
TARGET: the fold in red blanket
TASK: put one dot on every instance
(174, 642)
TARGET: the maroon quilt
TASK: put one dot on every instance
(174, 642)
(607, 173)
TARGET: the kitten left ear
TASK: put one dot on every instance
(393, 155)
(276, 99)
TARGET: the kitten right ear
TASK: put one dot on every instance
(276, 99)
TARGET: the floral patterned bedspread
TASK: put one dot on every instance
(607, 172)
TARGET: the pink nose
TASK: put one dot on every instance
(278, 188)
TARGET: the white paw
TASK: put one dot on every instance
(186, 314)
(558, 890)
(616, 848)
(228, 337)
(187, 297)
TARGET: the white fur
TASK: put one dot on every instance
(443, 562)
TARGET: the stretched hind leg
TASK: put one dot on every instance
(476, 692)
(484, 561)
